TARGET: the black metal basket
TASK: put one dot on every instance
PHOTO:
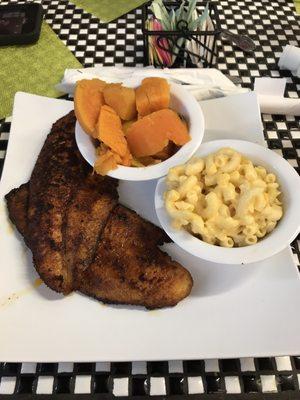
(205, 41)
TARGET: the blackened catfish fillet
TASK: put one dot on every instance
(17, 200)
(86, 218)
(82, 239)
(129, 268)
(93, 235)
(57, 173)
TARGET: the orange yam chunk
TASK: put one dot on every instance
(105, 162)
(127, 159)
(158, 93)
(152, 95)
(109, 131)
(151, 134)
(88, 99)
(177, 130)
(126, 125)
(142, 102)
(149, 161)
(167, 152)
(121, 99)
(145, 137)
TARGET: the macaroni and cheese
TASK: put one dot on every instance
(224, 199)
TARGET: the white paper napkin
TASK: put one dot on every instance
(203, 83)
(270, 93)
(290, 59)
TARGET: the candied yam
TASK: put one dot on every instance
(101, 149)
(146, 161)
(151, 134)
(105, 162)
(142, 102)
(166, 152)
(177, 130)
(117, 157)
(107, 159)
(152, 95)
(158, 93)
(121, 99)
(145, 138)
(88, 99)
(126, 125)
(127, 159)
(136, 163)
(109, 130)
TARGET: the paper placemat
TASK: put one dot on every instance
(35, 68)
(107, 10)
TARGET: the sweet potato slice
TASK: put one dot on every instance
(121, 99)
(158, 92)
(151, 134)
(142, 102)
(127, 159)
(88, 99)
(145, 137)
(152, 95)
(126, 125)
(109, 131)
(177, 130)
(166, 152)
(146, 161)
(105, 162)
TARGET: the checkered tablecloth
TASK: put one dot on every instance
(272, 24)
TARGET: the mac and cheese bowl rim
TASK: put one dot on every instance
(283, 234)
(181, 101)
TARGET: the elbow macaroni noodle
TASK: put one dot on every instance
(224, 199)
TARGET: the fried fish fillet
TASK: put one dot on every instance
(129, 268)
(82, 240)
(58, 171)
(17, 200)
(87, 215)
(122, 264)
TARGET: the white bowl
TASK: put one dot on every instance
(182, 102)
(284, 233)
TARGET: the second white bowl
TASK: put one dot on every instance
(283, 234)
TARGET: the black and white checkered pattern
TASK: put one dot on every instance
(92, 43)
(272, 24)
(234, 376)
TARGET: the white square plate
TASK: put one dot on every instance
(233, 311)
